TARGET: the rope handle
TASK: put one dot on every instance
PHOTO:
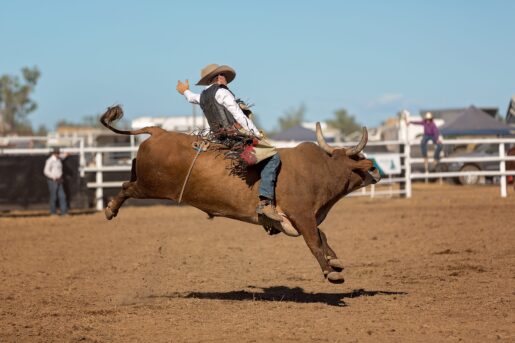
(199, 147)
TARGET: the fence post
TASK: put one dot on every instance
(99, 193)
(133, 144)
(407, 166)
(502, 169)
(405, 143)
(82, 158)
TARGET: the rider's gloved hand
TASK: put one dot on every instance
(182, 87)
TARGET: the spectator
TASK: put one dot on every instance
(431, 133)
(54, 173)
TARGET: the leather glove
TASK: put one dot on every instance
(182, 87)
(245, 109)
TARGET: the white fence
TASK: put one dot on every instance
(407, 175)
(501, 159)
(92, 161)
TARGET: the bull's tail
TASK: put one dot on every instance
(114, 113)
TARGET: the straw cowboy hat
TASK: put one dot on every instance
(211, 70)
(428, 116)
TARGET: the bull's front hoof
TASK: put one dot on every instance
(336, 264)
(335, 277)
(109, 213)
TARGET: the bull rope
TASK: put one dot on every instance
(200, 147)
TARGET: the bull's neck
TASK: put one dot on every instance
(335, 188)
(341, 177)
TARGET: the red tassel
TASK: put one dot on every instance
(248, 155)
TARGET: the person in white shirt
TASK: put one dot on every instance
(54, 172)
(223, 112)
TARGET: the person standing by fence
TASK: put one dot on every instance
(54, 172)
(431, 133)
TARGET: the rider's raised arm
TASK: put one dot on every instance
(226, 99)
(193, 98)
(184, 89)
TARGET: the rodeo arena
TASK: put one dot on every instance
(159, 234)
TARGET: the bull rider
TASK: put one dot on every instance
(223, 112)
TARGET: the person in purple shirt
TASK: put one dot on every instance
(431, 133)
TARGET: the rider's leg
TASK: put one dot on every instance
(423, 150)
(438, 150)
(267, 188)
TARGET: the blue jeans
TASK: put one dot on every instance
(269, 177)
(423, 147)
(57, 191)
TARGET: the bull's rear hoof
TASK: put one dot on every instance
(335, 277)
(109, 213)
(336, 264)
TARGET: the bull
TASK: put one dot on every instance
(311, 180)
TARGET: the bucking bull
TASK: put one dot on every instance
(311, 180)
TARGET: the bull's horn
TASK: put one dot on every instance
(361, 145)
(321, 141)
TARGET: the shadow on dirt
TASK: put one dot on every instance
(279, 293)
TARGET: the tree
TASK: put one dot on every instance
(15, 101)
(292, 117)
(344, 122)
(42, 130)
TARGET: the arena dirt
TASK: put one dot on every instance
(438, 268)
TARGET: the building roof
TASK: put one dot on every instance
(296, 133)
(510, 113)
(299, 134)
(449, 114)
(474, 121)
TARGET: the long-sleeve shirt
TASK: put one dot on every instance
(53, 168)
(225, 98)
(430, 128)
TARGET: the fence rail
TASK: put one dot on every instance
(92, 161)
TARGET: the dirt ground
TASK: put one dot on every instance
(439, 267)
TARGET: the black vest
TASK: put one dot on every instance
(217, 115)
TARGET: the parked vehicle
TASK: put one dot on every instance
(481, 150)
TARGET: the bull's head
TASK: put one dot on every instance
(362, 170)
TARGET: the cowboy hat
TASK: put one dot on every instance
(212, 70)
(428, 116)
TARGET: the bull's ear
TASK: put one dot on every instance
(362, 165)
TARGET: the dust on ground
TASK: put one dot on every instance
(437, 267)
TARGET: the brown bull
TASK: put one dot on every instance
(312, 179)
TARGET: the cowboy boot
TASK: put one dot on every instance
(267, 209)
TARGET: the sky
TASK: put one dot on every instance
(372, 58)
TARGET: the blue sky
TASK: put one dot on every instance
(371, 57)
